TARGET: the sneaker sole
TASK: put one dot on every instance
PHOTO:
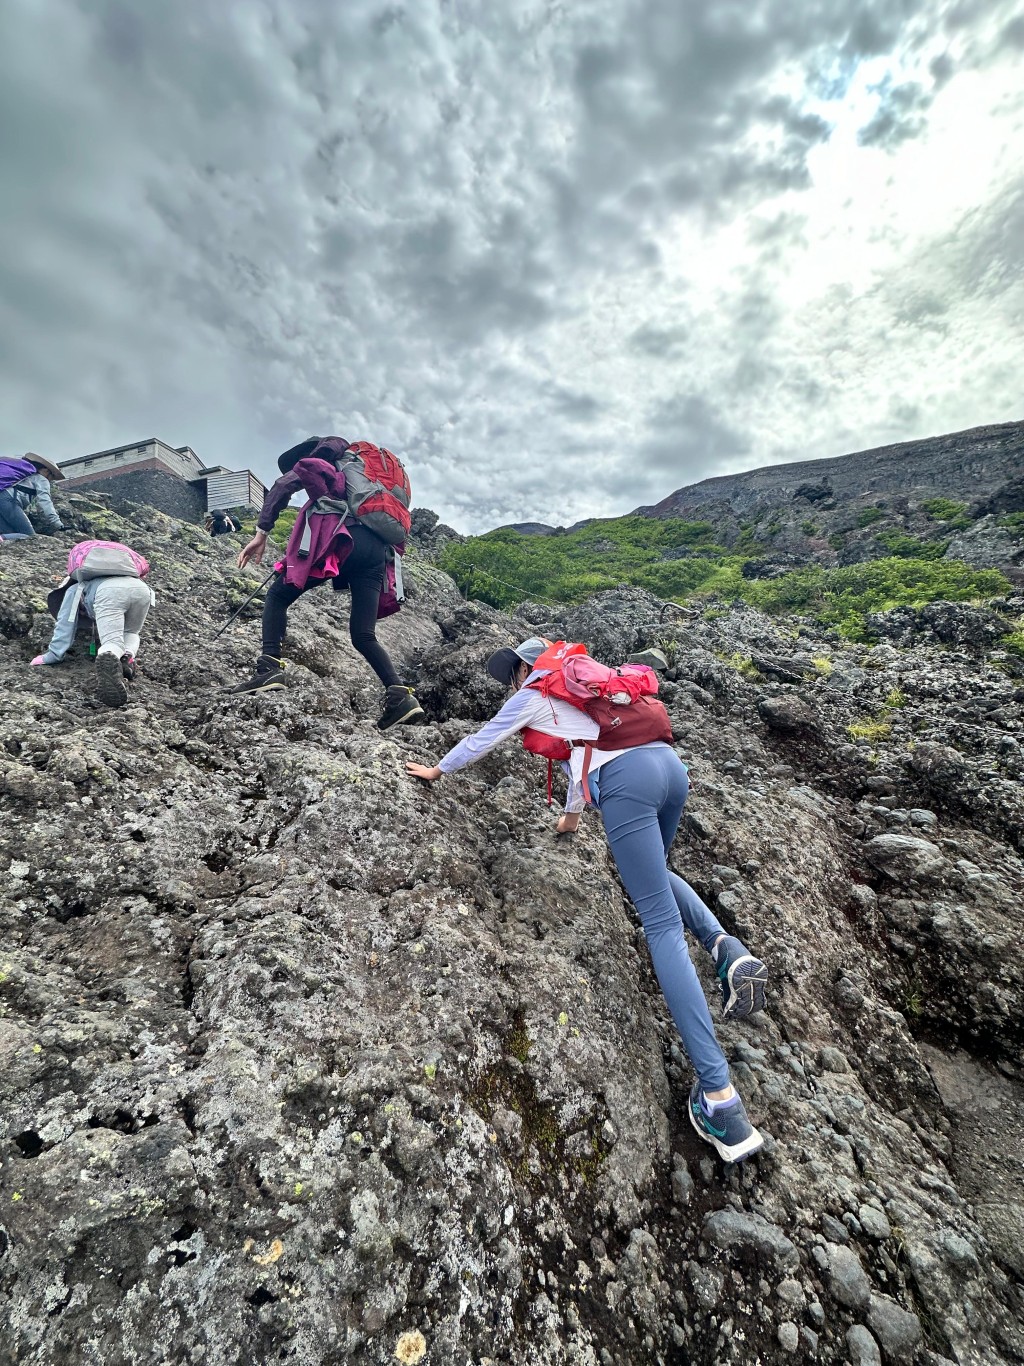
(111, 688)
(412, 718)
(252, 692)
(747, 981)
(738, 1151)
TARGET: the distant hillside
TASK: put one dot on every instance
(542, 528)
(837, 539)
(967, 465)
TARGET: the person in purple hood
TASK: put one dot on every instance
(324, 546)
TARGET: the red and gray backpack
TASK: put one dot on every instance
(377, 488)
(621, 701)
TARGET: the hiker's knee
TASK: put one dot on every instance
(362, 639)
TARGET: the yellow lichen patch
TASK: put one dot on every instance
(273, 1254)
(411, 1347)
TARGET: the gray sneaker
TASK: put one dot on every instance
(726, 1128)
(744, 978)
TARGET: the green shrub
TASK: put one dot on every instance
(822, 665)
(837, 540)
(868, 515)
(505, 567)
(911, 547)
(742, 663)
(946, 510)
(1014, 521)
(843, 597)
(1014, 643)
(869, 729)
(808, 528)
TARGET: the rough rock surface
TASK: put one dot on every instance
(301, 1061)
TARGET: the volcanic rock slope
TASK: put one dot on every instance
(301, 1061)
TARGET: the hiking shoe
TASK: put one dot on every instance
(268, 676)
(110, 686)
(129, 669)
(400, 708)
(726, 1127)
(743, 978)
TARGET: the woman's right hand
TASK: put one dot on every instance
(253, 551)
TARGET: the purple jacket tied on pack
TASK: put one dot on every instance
(320, 542)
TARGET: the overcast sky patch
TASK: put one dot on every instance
(562, 259)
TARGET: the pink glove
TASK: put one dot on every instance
(39, 659)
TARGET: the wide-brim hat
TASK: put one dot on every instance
(503, 663)
(45, 466)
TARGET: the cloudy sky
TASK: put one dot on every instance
(563, 257)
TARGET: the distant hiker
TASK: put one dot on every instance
(352, 531)
(640, 789)
(218, 523)
(105, 580)
(23, 483)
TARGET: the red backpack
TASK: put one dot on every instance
(377, 490)
(621, 701)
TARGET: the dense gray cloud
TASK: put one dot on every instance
(561, 258)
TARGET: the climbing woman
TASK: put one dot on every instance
(640, 792)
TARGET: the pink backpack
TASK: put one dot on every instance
(586, 679)
(621, 701)
(105, 559)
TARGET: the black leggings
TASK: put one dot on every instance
(363, 573)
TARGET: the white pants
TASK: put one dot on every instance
(119, 608)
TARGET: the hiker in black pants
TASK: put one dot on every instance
(363, 574)
(353, 557)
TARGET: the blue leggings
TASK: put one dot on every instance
(642, 794)
(14, 525)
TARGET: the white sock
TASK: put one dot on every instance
(712, 1105)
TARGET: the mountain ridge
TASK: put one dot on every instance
(971, 462)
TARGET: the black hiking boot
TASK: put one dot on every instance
(268, 676)
(110, 686)
(400, 708)
(129, 668)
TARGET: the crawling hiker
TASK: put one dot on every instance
(640, 791)
(219, 523)
(350, 531)
(105, 581)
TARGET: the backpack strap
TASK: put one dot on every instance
(321, 506)
(588, 754)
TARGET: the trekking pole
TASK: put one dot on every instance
(245, 604)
